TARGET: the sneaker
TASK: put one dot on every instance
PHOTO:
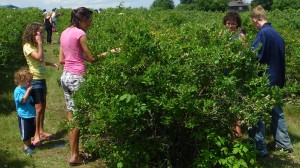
(288, 150)
(28, 151)
(263, 154)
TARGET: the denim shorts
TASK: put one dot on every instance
(27, 127)
(39, 90)
(70, 83)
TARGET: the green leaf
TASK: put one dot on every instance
(119, 165)
(123, 97)
(235, 150)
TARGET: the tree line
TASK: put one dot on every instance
(222, 5)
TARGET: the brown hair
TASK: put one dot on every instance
(259, 13)
(234, 16)
(30, 32)
(22, 76)
(80, 14)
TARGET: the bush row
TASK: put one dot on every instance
(166, 100)
(172, 95)
(12, 25)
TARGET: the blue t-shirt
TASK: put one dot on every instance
(27, 109)
(271, 53)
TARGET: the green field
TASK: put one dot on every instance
(55, 153)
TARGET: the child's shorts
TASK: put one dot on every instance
(39, 91)
(27, 128)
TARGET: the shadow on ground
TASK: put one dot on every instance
(278, 160)
(8, 160)
(49, 144)
(294, 138)
(55, 142)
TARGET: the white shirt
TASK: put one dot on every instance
(53, 15)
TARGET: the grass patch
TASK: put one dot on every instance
(280, 159)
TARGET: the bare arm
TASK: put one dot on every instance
(27, 94)
(54, 65)
(88, 55)
(50, 20)
(38, 55)
(61, 56)
(113, 51)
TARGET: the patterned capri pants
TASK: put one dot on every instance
(70, 83)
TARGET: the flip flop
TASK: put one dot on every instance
(48, 136)
(36, 144)
(85, 157)
(76, 164)
(83, 162)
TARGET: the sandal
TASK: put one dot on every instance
(85, 157)
(28, 151)
(47, 136)
(36, 144)
(83, 162)
(76, 164)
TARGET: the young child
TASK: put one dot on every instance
(25, 108)
(33, 51)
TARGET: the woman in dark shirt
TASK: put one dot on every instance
(48, 26)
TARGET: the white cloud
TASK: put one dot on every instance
(96, 4)
(50, 1)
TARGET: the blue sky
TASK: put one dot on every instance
(95, 4)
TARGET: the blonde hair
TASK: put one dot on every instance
(259, 13)
(22, 76)
(49, 13)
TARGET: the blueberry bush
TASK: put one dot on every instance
(172, 95)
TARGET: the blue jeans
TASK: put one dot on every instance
(54, 24)
(39, 90)
(278, 129)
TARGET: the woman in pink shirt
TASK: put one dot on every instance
(73, 52)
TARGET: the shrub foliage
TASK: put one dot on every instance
(173, 93)
(12, 24)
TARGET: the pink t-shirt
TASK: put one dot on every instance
(74, 55)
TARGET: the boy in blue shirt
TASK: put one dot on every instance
(25, 108)
(271, 53)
